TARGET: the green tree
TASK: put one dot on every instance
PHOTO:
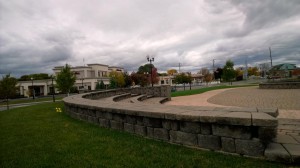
(128, 80)
(228, 71)
(100, 85)
(182, 78)
(8, 88)
(39, 76)
(145, 70)
(112, 83)
(65, 80)
(117, 78)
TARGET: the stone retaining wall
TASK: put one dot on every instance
(244, 131)
(280, 85)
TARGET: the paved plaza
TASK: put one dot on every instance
(286, 100)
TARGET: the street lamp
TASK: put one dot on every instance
(53, 90)
(150, 59)
(32, 88)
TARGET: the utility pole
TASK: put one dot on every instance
(179, 68)
(271, 56)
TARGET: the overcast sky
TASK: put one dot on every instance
(37, 35)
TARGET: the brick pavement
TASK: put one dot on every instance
(287, 99)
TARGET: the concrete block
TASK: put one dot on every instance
(263, 119)
(271, 111)
(170, 125)
(107, 115)
(210, 116)
(267, 134)
(140, 130)
(209, 142)
(92, 112)
(236, 109)
(118, 117)
(294, 150)
(276, 152)
(160, 133)
(99, 114)
(296, 137)
(104, 123)
(228, 144)
(190, 127)
(192, 116)
(153, 122)
(150, 132)
(116, 125)
(206, 129)
(234, 118)
(93, 120)
(139, 120)
(128, 127)
(251, 147)
(241, 132)
(130, 119)
(183, 138)
(287, 139)
(81, 116)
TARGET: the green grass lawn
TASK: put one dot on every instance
(202, 90)
(37, 136)
(30, 100)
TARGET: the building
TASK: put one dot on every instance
(87, 78)
(197, 79)
(282, 70)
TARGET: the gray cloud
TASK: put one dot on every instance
(36, 36)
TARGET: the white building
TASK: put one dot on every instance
(87, 78)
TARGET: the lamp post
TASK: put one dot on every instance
(53, 90)
(150, 59)
(32, 88)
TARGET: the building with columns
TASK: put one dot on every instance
(87, 78)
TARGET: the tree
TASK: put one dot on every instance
(172, 71)
(140, 79)
(8, 88)
(100, 85)
(127, 78)
(40, 76)
(253, 71)
(239, 74)
(228, 71)
(207, 76)
(145, 71)
(218, 73)
(182, 78)
(117, 79)
(65, 80)
(112, 83)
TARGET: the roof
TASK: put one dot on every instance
(283, 67)
(97, 64)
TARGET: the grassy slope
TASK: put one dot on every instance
(202, 90)
(37, 136)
